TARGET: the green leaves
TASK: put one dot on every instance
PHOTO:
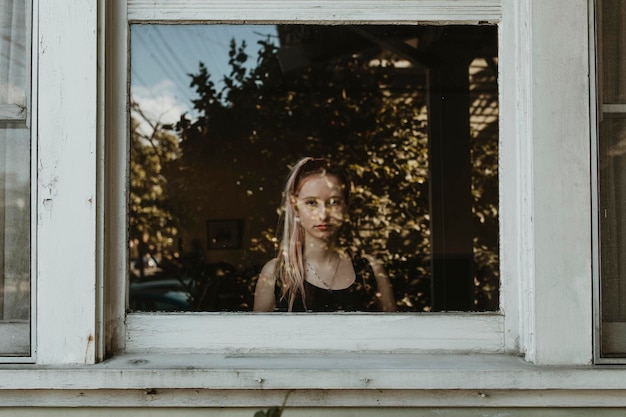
(371, 118)
(274, 411)
(270, 412)
(151, 216)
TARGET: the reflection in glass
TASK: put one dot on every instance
(612, 153)
(14, 180)
(221, 112)
(611, 150)
(613, 43)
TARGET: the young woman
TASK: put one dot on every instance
(312, 272)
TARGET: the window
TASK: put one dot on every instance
(15, 180)
(221, 111)
(82, 180)
(611, 174)
(542, 165)
(488, 332)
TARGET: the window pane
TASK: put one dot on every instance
(613, 38)
(612, 174)
(221, 112)
(14, 180)
(613, 206)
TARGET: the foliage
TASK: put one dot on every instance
(273, 411)
(345, 108)
(152, 224)
(485, 194)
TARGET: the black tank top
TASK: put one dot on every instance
(360, 296)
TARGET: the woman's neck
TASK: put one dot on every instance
(320, 250)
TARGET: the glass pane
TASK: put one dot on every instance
(612, 158)
(613, 48)
(220, 113)
(612, 174)
(14, 180)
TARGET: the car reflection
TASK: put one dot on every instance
(160, 295)
(205, 287)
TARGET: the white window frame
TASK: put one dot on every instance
(544, 181)
(522, 318)
(277, 332)
(67, 162)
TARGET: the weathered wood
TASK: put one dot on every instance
(315, 332)
(560, 179)
(373, 400)
(399, 11)
(367, 380)
(67, 166)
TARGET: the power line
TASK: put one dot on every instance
(164, 64)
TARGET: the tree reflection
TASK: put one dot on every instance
(363, 106)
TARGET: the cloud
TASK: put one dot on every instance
(160, 104)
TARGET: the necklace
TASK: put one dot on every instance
(319, 278)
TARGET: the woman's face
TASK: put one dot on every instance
(320, 206)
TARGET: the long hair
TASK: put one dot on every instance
(290, 268)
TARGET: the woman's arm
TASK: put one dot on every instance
(264, 295)
(386, 300)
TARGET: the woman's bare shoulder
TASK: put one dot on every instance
(264, 297)
(269, 268)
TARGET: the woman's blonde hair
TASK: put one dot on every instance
(290, 269)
